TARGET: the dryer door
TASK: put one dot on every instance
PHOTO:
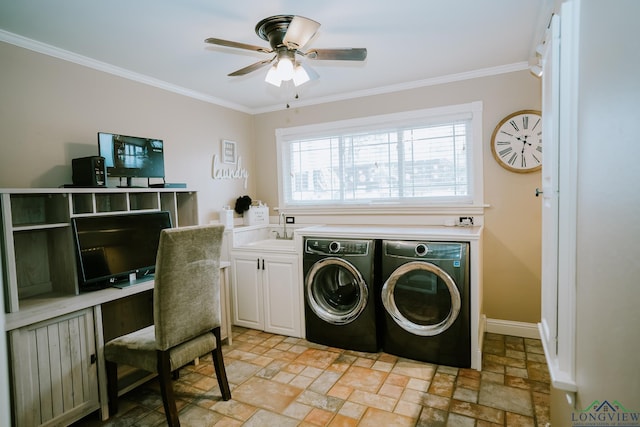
(421, 298)
(335, 291)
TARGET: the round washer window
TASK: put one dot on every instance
(421, 298)
(336, 291)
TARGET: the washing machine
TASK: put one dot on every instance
(425, 299)
(340, 309)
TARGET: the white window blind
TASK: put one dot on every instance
(410, 159)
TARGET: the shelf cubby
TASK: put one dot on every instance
(143, 201)
(38, 209)
(111, 202)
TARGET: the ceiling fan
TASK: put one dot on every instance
(287, 35)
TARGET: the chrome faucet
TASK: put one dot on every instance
(282, 220)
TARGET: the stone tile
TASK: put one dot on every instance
(362, 379)
(418, 384)
(342, 421)
(297, 410)
(373, 400)
(516, 372)
(517, 420)
(319, 417)
(408, 409)
(321, 401)
(320, 359)
(442, 385)
(254, 391)
(324, 382)
(466, 395)
(423, 371)
(352, 410)
(234, 409)
(239, 371)
(193, 415)
(432, 417)
(264, 418)
(389, 390)
(455, 420)
(506, 398)
(340, 391)
(477, 411)
(375, 418)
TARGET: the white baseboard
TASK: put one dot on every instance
(511, 327)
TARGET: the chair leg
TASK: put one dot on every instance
(112, 386)
(218, 363)
(166, 387)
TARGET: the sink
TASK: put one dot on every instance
(272, 245)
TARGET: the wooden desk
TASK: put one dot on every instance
(91, 319)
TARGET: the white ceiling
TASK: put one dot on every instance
(410, 43)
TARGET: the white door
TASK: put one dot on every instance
(246, 291)
(281, 295)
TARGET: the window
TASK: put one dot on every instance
(418, 158)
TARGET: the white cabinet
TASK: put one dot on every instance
(54, 370)
(265, 292)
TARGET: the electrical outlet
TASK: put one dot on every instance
(465, 221)
(290, 219)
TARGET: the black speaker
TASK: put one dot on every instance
(89, 172)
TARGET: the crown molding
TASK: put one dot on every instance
(85, 61)
(75, 58)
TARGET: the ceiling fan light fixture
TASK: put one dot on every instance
(300, 75)
(273, 77)
(285, 68)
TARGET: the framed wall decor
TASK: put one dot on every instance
(229, 154)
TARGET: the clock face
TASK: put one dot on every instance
(517, 141)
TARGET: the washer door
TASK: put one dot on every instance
(336, 291)
(421, 298)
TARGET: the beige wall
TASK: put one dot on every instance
(52, 110)
(512, 222)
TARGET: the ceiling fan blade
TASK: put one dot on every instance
(251, 68)
(346, 54)
(238, 45)
(300, 31)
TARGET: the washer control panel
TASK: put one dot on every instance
(336, 247)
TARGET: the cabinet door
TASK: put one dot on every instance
(246, 290)
(281, 289)
(54, 372)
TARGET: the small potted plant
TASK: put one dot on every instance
(242, 205)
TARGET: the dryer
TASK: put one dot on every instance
(425, 297)
(339, 296)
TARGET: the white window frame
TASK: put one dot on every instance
(475, 202)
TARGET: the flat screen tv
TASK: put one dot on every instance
(131, 156)
(111, 247)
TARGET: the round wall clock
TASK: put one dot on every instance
(516, 142)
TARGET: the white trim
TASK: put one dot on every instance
(46, 49)
(513, 328)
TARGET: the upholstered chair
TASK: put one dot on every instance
(186, 313)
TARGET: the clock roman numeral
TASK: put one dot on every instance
(506, 133)
(505, 152)
(503, 142)
(512, 159)
(523, 163)
(515, 126)
(539, 148)
(535, 158)
(525, 122)
(536, 125)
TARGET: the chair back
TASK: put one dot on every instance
(186, 295)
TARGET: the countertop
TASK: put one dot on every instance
(441, 233)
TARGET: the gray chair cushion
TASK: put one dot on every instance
(186, 301)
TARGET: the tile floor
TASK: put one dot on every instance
(283, 381)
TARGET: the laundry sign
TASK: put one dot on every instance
(223, 171)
